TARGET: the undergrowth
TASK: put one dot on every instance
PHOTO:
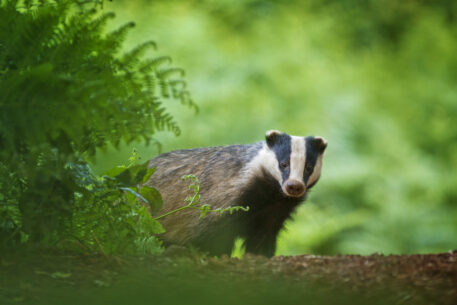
(68, 88)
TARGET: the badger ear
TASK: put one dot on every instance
(322, 143)
(272, 136)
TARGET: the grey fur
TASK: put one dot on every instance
(218, 170)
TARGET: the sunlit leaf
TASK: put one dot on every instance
(115, 171)
(148, 174)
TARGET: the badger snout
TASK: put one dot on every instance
(294, 188)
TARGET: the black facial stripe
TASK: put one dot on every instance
(312, 152)
(282, 150)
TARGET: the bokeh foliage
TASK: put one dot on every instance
(376, 78)
(67, 88)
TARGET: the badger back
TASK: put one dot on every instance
(218, 170)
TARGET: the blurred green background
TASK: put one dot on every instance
(377, 79)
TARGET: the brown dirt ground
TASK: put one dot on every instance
(183, 278)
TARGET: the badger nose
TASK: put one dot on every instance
(295, 188)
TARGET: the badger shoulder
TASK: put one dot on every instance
(219, 170)
(215, 164)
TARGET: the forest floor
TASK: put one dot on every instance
(176, 278)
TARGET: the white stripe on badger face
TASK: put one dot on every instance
(317, 171)
(297, 158)
(265, 159)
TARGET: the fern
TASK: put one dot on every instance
(68, 89)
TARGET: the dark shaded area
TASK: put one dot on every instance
(192, 279)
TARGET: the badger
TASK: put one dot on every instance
(272, 177)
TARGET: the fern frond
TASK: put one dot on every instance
(149, 65)
(166, 73)
(164, 88)
(114, 39)
(179, 82)
(133, 57)
(100, 22)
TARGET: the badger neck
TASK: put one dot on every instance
(264, 162)
(265, 191)
(269, 209)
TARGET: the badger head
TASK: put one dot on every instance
(295, 162)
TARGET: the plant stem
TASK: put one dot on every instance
(172, 212)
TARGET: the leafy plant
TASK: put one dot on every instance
(67, 89)
(113, 212)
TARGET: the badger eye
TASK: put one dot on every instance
(308, 167)
(284, 164)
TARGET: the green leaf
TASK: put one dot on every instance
(204, 210)
(115, 171)
(129, 176)
(153, 197)
(148, 174)
(156, 227)
(135, 175)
